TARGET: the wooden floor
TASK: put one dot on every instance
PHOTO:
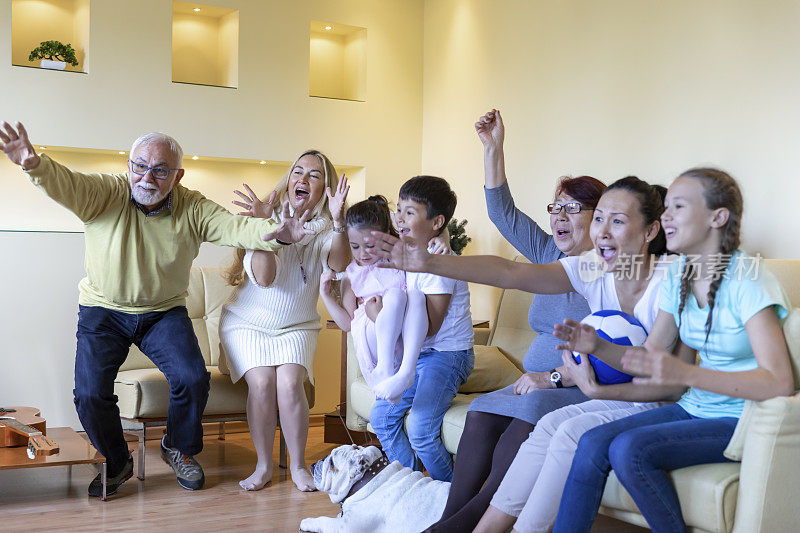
(55, 498)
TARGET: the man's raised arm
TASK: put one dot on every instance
(86, 195)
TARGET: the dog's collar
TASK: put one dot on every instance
(369, 474)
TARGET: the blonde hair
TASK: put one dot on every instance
(235, 274)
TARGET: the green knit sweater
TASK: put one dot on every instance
(137, 263)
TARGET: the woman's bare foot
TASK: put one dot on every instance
(258, 479)
(303, 480)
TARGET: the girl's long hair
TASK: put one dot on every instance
(719, 190)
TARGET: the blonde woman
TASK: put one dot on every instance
(269, 327)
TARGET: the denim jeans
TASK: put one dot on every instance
(168, 339)
(437, 379)
(640, 449)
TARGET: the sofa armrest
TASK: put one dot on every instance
(770, 468)
(352, 420)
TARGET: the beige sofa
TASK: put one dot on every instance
(754, 495)
(143, 390)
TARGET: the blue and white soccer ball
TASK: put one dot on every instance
(618, 328)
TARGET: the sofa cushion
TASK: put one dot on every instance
(492, 371)
(707, 494)
(361, 397)
(454, 418)
(144, 393)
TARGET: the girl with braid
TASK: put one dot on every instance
(716, 300)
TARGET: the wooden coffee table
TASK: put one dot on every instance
(73, 450)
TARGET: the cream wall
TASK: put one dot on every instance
(229, 49)
(270, 116)
(614, 88)
(327, 65)
(196, 56)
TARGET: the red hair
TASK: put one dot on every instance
(585, 189)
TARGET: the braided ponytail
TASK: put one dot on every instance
(720, 190)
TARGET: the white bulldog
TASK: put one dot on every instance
(376, 496)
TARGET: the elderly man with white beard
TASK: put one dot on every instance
(142, 231)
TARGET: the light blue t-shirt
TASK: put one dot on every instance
(747, 288)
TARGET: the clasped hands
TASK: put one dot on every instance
(649, 366)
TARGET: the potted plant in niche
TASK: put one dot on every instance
(54, 55)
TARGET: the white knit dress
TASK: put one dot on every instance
(278, 324)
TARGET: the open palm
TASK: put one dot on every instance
(17, 147)
(336, 201)
(253, 206)
(577, 337)
(291, 228)
(405, 253)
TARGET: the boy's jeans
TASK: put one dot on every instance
(438, 377)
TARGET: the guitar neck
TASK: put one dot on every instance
(22, 429)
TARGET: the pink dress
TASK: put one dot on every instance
(367, 281)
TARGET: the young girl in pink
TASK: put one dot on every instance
(377, 307)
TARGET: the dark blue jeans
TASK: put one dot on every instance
(168, 339)
(640, 449)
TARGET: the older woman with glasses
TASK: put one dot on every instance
(499, 422)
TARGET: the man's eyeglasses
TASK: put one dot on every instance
(159, 173)
(571, 208)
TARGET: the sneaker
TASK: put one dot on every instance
(187, 469)
(112, 482)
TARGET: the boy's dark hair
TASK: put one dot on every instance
(371, 213)
(435, 193)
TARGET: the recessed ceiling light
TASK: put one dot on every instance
(122, 153)
(195, 157)
(262, 162)
(196, 9)
(43, 148)
(328, 28)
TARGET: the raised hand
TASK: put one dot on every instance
(491, 130)
(655, 367)
(291, 229)
(577, 337)
(17, 147)
(253, 205)
(405, 253)
(337, 200)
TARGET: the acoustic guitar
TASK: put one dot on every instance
(23, 426)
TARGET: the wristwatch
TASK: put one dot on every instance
(555, 379)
